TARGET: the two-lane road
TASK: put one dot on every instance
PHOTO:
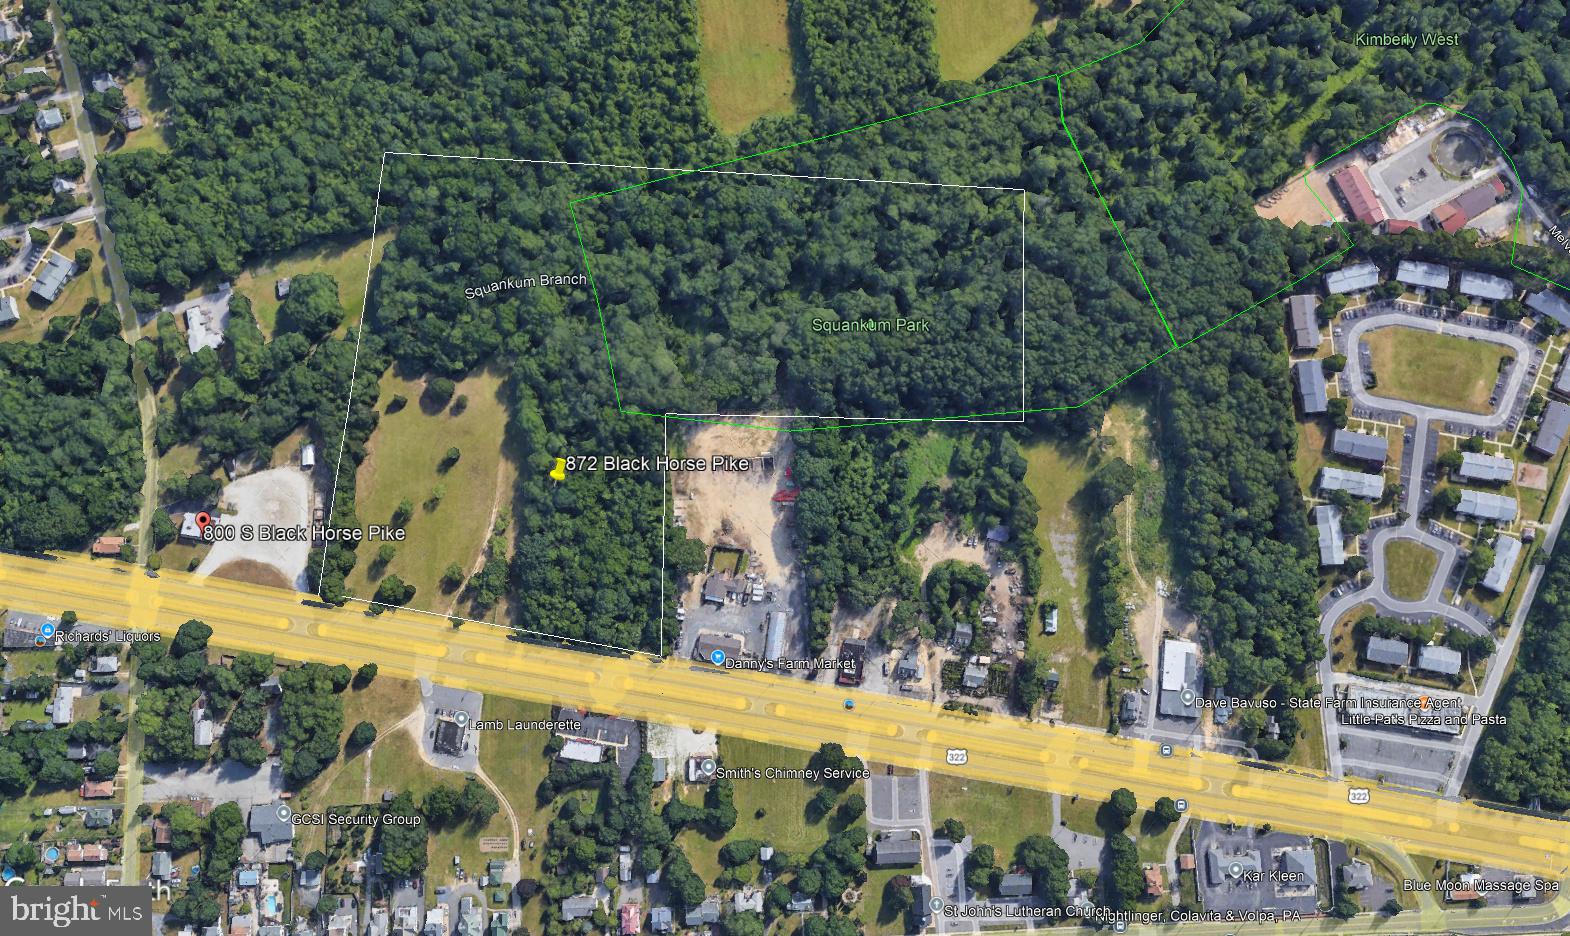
(771, 708)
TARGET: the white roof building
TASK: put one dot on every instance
(1486, 505)
(1478, 467)
(1356, 483)
(1179, 679)
(1327, 518)
(49, 118)
(204, 328)
(1442, 660)
(1550, 304)
(1485, 286)
(584, 752)
(1423, 275)
(52, 278)
(1355, 278)
(8, 310)
(1507, 551)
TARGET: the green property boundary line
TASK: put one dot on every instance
(1058, 77)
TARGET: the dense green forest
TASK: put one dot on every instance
(1528, 758)
(70, 445)
(280, 117)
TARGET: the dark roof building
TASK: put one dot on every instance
(897, 848)
(1303, 321)
(52, 278)
(449, 738)
(1453, 215)
(1551, 429)
(1550, 304)
(703, 648)
(1016, 885)
(1387, 652)
(1360, 445)
(1311, 386)
(1442, 660)
(266, 822)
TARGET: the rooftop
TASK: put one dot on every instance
(1442, 660)
(1486, 505)
(1426, 275)
(1360, 445)
(1479, 467)
(1507, 550)
(1356, 483)
(1354, 278)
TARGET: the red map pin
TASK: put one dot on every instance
(203, 521)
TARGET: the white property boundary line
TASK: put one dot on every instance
(370, 263)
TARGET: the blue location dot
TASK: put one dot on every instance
(48, 630)
(717, 658)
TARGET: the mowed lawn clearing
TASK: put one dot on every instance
(746, 60)
(1440, 370)
(405, 462)
(516, 762)
(1409, 567)
(994, 814)
(974, 34)
(772, 811)
(345, 259)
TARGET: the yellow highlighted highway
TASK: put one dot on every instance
(793, 712)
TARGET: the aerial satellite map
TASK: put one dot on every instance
(784, 467)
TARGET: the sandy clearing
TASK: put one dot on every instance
(278, 496)
(1293, 203)
(736, 507)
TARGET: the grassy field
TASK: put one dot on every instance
(997, 815)
(153, 135)
(404, 461)
(745, 60)
(1441, 370)
(870, 911)
(782, 804)
(1080, 815)
(1055, 474)
(1313, 448)
(974, 34)
(516, 762)
(929, 461)
(88, 284)
(1409, 567)
(345, 259)
(1309, 751)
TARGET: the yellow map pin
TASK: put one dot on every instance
(559, 473)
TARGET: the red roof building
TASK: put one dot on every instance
(631, 919)
(1397, 225)
(108, 545)
(1453, 215)
(97, 789)
(1358, 195)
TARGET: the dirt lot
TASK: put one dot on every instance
(736, 507)
(278, 496)
(1293, 202)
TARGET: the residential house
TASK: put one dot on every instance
(1485, 286)
(1479, 467)
(269, 824)
(1387, 651)
(660, 920)
(61, 709)
(1507, 550)
(98, 817)
(52, 278)
(1423, 275)
(108, 545)
(975, 676)
(1311, 391)
(1303, 321)
(1552, 427)
(703, 648)
(48, 119)
(1550, 304)
(1441, 660)
(1356, 483)
(1360, 446)
(1327, 520)
(97, 789)
(1358, 277)
(1488, 506)
(9, 313)
(1357, 875)
(162, 865)
(704, 914)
